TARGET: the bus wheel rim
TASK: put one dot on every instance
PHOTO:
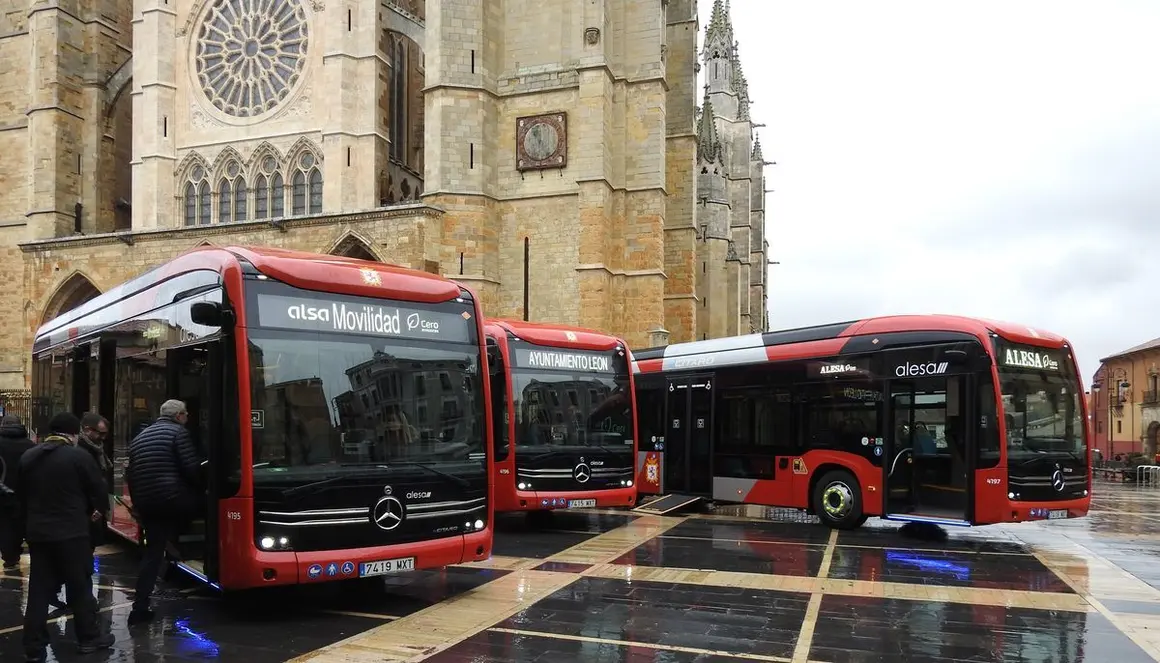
(837, 500)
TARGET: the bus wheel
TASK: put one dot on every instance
(838, 500)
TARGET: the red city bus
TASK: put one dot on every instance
(929, 418)
(574, 424)
(340, 406)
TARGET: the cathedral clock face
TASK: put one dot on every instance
(542, 142)
(249, 54)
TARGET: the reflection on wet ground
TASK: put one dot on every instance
(864, 630)
(935, 567)
(673, 614)
(742, 583)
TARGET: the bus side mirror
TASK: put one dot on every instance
(494, 362)
(210, 314)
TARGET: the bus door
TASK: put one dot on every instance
(501, 424)
(688, 465)
(197, 374)
(928, 449)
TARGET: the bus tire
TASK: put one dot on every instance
(837, 500)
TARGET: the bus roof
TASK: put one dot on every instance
(829, 339)
(565, 336)
(312, 271)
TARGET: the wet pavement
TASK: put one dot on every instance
(742, 584)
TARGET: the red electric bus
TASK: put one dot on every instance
(572, 440)
(340, 406)
(928, 418)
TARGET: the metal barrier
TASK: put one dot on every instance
(1148, 475)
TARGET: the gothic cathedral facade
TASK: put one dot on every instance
(479, 139)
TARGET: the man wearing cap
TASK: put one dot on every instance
(63, 492)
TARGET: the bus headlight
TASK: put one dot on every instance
(479, 524)
(272, 543)
(524, 486)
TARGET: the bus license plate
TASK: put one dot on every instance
(385, 566)
(1056, 513)
(581, 504)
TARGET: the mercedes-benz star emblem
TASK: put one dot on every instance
(582, 473)
(388, 513)
(1057, 481)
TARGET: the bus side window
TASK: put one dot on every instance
(501, 418)
(839, 415)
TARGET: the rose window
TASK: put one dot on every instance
(250, 54)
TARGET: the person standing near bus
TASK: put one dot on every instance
(14, 441)
(164, 484)
(63, 492)
(94, 430)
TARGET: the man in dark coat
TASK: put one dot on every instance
(14, 442)
(94, 430)
(63, 491)
(165, 486)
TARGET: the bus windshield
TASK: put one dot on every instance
(1043, 414)
(328, 402)
(571, 406)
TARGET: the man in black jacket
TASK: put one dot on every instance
(164, 485)
(63, 491)
(94, 430)
(14, 442)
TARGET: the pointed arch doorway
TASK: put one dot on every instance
(353, 247)
(76, 290)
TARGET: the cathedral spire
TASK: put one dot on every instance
(720, 25)
(756, 156)
(708, 146)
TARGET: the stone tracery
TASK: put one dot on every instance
(250, 54)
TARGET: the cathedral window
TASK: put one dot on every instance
(196, 198)
(250, 54)
(398, 103)
(269, 190)
(306, 186)
(232, 199)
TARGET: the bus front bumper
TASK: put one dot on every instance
(539, 500)
(288, 568)
(1059, 510)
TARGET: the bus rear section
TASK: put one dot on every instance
(340, 405)
(939, 419)
(565, 414)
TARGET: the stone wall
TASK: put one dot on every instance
(612, 235)
(594, 226)
(50, 267)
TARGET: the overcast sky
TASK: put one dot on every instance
(981, 157)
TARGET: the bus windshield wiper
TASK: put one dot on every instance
(423, 466)
(297, 491)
